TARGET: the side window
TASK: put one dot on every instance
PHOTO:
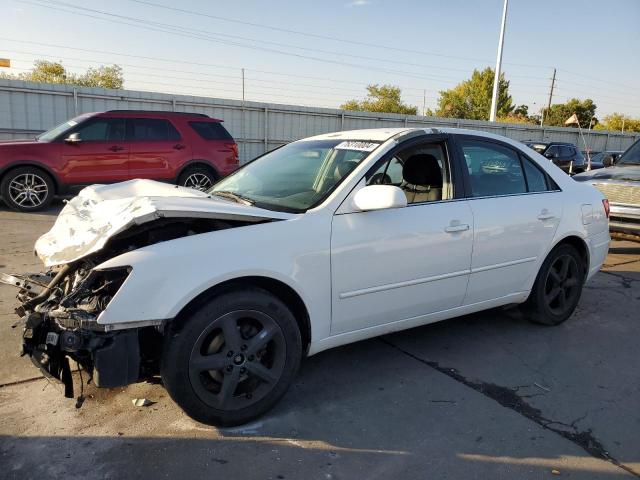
(211, 130)
(536, 179)
(151, 129)
(552, 150)
(566, 151)
(389, 173)
(421, 171)
(102, 130)
(493, 169)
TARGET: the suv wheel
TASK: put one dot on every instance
(557, 288)
(200, 178)
(27, 189)
(233, 359)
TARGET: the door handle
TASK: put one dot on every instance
(461, 227)
(179, 146)
(116, 148)
(546, 215)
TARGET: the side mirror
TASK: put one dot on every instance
(73, 138)
(550, 155)
(608, 161)
(379, 197)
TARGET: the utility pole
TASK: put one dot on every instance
(553, 83)
(424, 103)
(243, 84)
(496, 80)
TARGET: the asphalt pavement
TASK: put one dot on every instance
(482, 396)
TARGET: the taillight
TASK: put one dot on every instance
(234, 149)
(605, 204)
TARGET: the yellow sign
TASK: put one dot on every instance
(5, 62)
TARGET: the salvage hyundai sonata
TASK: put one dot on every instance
(325, 241)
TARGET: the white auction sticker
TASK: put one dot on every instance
(354, 145)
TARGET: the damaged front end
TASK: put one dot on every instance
(60, 309)
(59, 312)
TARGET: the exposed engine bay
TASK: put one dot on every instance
(59, 310)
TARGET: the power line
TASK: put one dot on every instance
(324, 37)
(181, 31)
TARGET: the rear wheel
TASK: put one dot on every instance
(200, 178)
(233, 359)
(27, 189)
(557, 288)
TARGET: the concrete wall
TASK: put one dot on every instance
(28, 108)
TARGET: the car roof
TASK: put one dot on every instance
(153, 114)
(384, 134)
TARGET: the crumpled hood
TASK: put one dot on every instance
(624, 174)
(99, 212)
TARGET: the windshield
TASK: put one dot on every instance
(295, 177)
(631, 156)
(52, 134)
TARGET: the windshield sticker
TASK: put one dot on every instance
(359, 146)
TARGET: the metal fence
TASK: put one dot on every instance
(28, 108)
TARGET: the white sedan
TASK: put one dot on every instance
(325, 241)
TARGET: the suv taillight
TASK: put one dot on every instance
(605, 204)
(234, 149)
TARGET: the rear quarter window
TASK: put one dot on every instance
(211, 130)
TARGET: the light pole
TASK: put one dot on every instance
(496, 80)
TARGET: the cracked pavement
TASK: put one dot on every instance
(485, 395)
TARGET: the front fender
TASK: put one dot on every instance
(166, 276)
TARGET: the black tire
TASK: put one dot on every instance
(198, 177)
(256, 376)
(27, 189)
(557, 288)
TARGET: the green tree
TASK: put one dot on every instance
(616, 121)
(44, 71)
(585, 110)
(383, 99)
(471, 99)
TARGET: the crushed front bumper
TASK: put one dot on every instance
(625, 218)
(112, 359)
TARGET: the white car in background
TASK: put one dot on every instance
(325, 241)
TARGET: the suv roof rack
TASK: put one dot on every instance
(159, 111)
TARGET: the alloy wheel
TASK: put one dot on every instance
(199, 181)
(237, 360)
(28, 190)
(562, 284)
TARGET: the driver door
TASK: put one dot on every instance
(101, 155)
(399, 264)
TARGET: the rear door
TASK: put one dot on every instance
(101, 155)
(516, 210)
(156, 148)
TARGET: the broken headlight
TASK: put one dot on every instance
(95, 291)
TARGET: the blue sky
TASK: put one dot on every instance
(432, 45)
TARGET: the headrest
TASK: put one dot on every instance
(422, 169)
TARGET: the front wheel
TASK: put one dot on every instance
(557, 288)
(233, 359)
(27, 189)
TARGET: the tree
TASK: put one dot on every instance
(616, 121)
(471, 99)
(383, 99)
(520, 114)
(585, 110)
(44, 71)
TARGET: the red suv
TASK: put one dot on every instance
(189, 149)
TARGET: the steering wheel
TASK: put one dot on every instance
(380, 179)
